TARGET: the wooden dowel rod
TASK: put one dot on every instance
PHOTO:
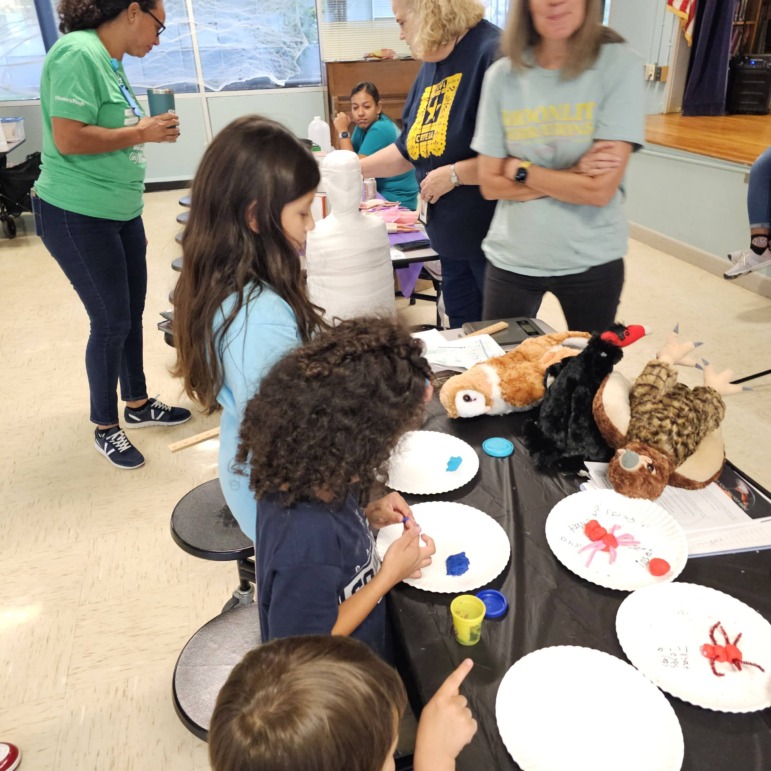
(183, 444)
(499, 326)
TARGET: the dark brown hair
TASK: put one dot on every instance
(369, 88)
(520, 37)
(89, 14)
(308, 703)
(332, 411)
(254, 167)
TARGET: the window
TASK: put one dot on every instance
(240, 44)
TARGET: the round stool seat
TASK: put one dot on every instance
(185, 201)
(203, 526)
(176, 264)
(183, 217)
(206, 662)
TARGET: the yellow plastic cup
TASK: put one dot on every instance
(467, 614)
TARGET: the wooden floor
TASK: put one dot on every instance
(737, 138)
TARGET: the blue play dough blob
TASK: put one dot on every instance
(457, 564)
(454, 463)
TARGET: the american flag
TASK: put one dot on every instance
(686, 10)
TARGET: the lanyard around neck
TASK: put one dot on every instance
(124, 89)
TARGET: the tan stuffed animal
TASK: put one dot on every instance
(664, 432)
(512, 382)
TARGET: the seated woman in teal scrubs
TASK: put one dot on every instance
(374, 131)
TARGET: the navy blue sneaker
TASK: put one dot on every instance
(155, 413)
(116, 447)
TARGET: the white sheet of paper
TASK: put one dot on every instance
(459, 354)
(713, 523)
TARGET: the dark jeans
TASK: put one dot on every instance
(463, 282)
(105, 263)
(589, 300)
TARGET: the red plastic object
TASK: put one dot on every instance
(658, 567)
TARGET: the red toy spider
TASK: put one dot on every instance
(725, 654)
(602, 540)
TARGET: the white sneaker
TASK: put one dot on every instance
(747, 261)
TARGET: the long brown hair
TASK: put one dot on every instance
(520, 37)
(309, 703)
(252, 169)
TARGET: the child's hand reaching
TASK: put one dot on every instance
(446, 724)
(405, 556)
(388, 510)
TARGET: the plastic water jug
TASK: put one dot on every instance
(319, 134)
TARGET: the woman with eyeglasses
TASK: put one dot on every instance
(89, 206)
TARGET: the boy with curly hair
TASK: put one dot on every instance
(316, 440)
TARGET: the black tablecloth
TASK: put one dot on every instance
(549, 605)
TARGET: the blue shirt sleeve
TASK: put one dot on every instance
(379, 135)
(489, 135)
(621, 113)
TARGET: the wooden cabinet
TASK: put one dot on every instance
(393, 78)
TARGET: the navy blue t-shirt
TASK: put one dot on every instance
(310, 558)
(439, 119)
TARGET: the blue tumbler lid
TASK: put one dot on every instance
(498, 447)
(495, 602)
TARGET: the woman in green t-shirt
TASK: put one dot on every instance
(374, 131)
(89, 205)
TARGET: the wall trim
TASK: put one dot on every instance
(755, 282)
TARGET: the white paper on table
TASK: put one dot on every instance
(460, 354)
(713, 523)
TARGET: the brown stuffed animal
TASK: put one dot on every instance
(664, 432)
(509, 383)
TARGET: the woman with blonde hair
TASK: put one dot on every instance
(457, 45)
(559, 117)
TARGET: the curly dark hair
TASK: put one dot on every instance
(89, 14)
(330, 413)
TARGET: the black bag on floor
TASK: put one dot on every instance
(16, 182)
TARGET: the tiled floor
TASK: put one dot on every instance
(96, 601)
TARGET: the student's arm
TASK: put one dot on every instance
(387, 162)
(72, 137)
(404, 559)
(446, 725)
(388, 510)
(342, 123)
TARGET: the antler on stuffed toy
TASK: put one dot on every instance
(720, 381)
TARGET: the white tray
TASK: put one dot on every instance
(418, 464)
(455, 528)
(662, 628)
(568, 707)
(658, 533)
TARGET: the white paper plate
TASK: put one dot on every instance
(662, 628)
(568, 707)
(455, 528)
(419, 463)
(658, 533)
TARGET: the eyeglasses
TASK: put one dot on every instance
(162, 26)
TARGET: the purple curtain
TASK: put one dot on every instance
(705, 86)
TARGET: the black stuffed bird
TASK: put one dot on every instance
(565, 433)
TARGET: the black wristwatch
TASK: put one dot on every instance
(343, 135)
(521, 175)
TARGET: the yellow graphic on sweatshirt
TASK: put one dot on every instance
(428, 135)
(551, 120)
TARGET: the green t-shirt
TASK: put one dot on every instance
(79, 83)
(536, 116)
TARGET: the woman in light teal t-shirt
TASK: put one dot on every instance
(88, 209)
(559, 117)
(374, 131)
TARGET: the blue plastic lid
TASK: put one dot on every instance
(495, 602)
(498, 447)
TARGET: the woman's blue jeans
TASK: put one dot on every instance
(759, 192)
(105, 261)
